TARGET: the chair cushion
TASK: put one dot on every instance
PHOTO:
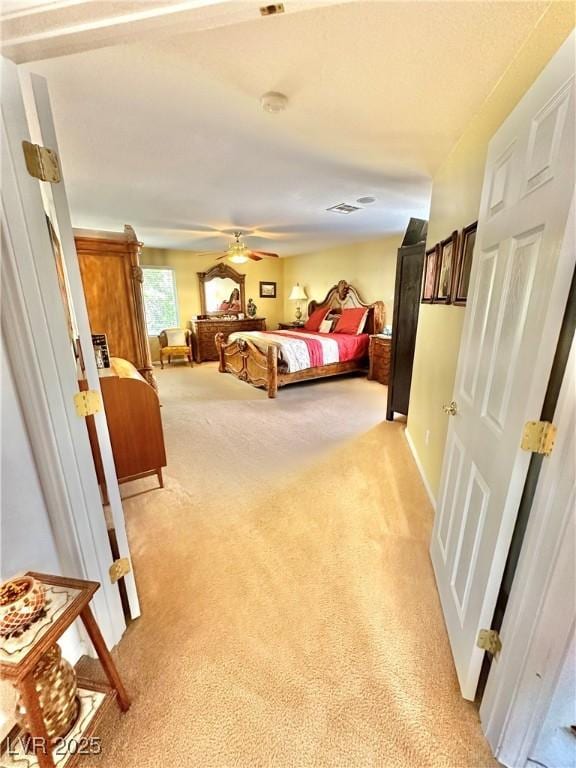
(176, 337)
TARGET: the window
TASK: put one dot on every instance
(160, 302)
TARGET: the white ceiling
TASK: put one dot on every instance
(167, 133)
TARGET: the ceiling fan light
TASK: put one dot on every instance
(237, 252)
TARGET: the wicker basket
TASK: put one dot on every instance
(22, 599)
(55, 682)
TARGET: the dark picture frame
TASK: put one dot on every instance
(448, 253)
(267, 289)
(464, 265)
(429, 278)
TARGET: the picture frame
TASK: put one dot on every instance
(267, 289)
(464, 265)
(429, 279)
(447, 255)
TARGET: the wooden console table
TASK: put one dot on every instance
(134, 422)
(66, 600)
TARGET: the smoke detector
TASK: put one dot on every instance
(271, 10)
(366, 200)
(274, 102)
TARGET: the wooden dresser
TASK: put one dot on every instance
(134, 422)
(380, 347)
(204, 331)
(112, 280)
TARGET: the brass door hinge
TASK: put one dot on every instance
(538, 437)
(489, 640)
(119, 568)
(88, 402)
(41, 162)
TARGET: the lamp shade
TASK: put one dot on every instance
(297, 293)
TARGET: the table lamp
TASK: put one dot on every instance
(298, 294)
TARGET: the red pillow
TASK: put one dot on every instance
(313, 322)
(351, 321)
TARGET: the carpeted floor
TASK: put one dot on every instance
(289, 616)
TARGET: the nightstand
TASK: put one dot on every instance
(289, 326)
(380, 358)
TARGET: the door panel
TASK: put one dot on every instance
(519, 284)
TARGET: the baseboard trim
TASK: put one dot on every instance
(418, 463)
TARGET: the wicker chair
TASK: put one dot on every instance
(174, 342)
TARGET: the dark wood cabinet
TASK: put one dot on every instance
(204, 334)
(409, 266)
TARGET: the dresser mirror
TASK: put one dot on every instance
(222, 291)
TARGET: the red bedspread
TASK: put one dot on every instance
(350, 347)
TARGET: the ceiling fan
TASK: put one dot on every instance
(239, 253)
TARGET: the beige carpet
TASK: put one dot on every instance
(289, 616)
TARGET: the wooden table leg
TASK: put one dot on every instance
(39, 736)
(105, 658)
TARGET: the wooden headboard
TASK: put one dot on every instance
(345, 296)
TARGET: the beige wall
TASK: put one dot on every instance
(369, 266)
(455, 203)
(186, 265)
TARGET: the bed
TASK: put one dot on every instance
(276, 358)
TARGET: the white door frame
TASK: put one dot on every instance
(540, 618)
(47, 137)
(40, 353)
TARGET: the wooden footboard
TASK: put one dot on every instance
(245, 361)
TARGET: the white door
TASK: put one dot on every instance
(519, 284)
(58, 205)
(39, 347)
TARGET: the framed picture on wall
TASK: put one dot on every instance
(448, 252)
(267, 290)
(464, 266)
(429, 281)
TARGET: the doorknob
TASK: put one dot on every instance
(450, 408)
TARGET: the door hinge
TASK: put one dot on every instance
(119, 568)
(41, 162)
(489, 640)
(538, 437)
(87, 402)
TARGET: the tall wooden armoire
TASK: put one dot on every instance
(409, 267)
(112, 280)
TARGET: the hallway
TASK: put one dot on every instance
(290, 616)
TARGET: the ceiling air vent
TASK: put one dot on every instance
(344, 208)
(271, 10)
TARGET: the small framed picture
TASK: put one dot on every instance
(448, 252)
(429, 281)
(462, 272)
(267, 290)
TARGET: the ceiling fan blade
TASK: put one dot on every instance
(267, 253)
(254, 256)
(223, 256)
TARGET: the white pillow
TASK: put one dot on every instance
(326, 326)
(176, 337)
